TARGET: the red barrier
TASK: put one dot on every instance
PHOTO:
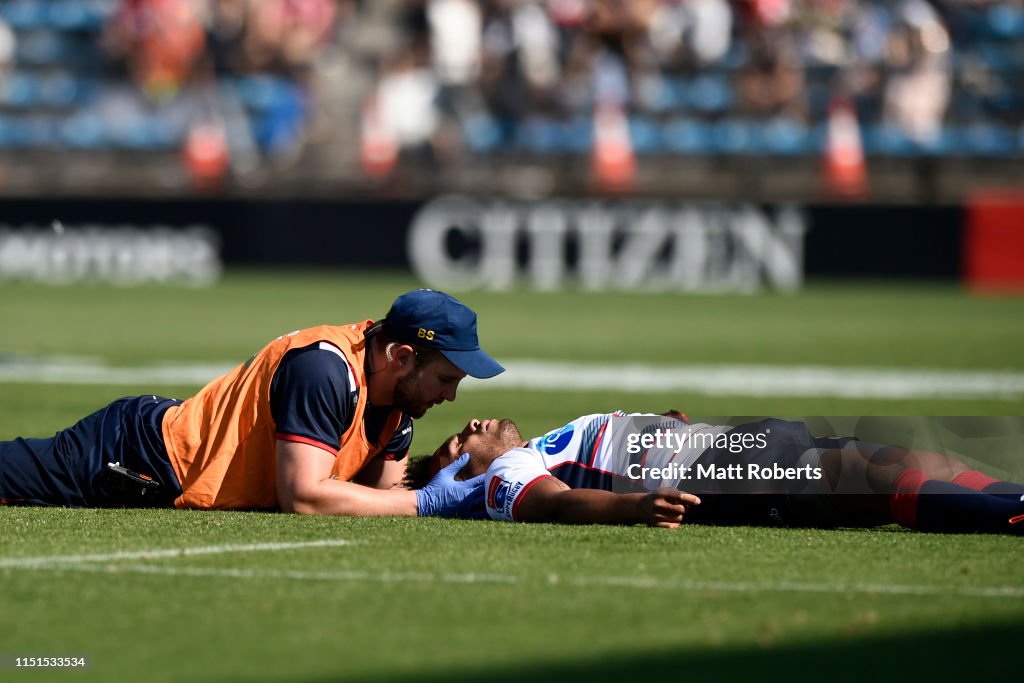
(994, 242)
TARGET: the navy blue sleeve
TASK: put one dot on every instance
(401, 440)
(311, 397)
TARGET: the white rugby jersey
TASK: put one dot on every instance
(588, 454)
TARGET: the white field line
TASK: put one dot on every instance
(85, 371)
(761, 380)
(58, 561)
(548, 375)
(624, 582)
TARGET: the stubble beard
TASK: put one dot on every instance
(405, 396)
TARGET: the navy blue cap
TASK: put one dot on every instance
(435, 320)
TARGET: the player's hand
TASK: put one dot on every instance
(666, 507)
(446, 496)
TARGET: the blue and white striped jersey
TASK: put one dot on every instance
(593, 452)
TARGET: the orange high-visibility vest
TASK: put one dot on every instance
(222, 441)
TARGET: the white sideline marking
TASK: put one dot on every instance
(81, 371)
(58, 561)
(293, 575)
(760, 380)
(549, 375)
(803, 587)
(626, 582)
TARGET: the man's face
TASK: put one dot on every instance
(427, 385)
(484, 440)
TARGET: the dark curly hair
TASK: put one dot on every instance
(417, 472)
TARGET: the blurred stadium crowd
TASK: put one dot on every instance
(237, 83)
(719, 77)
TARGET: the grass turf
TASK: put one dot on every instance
(874, 324)
(568, 603)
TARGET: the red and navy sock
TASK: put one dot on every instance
(973, 479)
(932, 505)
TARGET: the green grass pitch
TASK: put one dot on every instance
(440, 600)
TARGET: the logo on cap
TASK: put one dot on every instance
(439, 321)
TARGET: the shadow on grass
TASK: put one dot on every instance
(979, 653)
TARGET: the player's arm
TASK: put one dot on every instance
(382, 473)
(311, 402)
(387, 470)
(550, 500)
(304, 485)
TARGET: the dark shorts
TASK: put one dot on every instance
(798, 500)
(71, 468)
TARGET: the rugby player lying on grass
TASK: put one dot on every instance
(587, 473)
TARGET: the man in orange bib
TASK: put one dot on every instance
(317, 422)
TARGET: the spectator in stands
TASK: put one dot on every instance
(225, 36)
(162, 42)
(407, 98)
(518, 74)
(918, 88)
(691, 35)
(772, 83)
(455, 30)
(287, 36)
(8, 46)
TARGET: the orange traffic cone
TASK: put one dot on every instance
(845, 169)
(206, 154)
(378, 149)
(613, 163)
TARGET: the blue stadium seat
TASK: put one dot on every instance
(262, 92)
(16, 133)
(1006, 21)
(24, 15)
(786, 137)
(34, 132)
(578, 135)
(538, 135)
(75, 15)
(278, 126)
(83, 130)
(687, 136)
(984, 139)
(61, 90)
(645, 135)
(20, 91)
(40, 48)
(671, 95)
(942, 144)
(137, 135)
(890, 140)
(5, 131)
(887, 140)
(481, 133)
(710, 94)
(736, 136)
